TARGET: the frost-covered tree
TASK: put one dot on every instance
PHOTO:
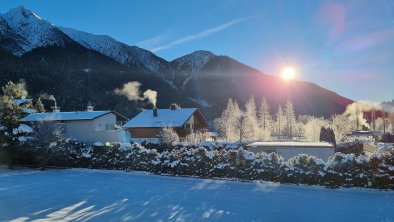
(10, 115)
(168, 136)
(197, 137)
(312, 129)
(38, 106)
(227, 123)
(47, 134)
(290, 120)
(341, 126)
(391, 120)
(250, 122)
(265, 118)
(280, 119)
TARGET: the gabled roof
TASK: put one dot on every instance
(165, 118)
(65, 116)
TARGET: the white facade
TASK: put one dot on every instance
(100, 129)
(290, 149)
(87, 126)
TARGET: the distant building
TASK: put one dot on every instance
(321, 150)
(86, 126)
(148, 124)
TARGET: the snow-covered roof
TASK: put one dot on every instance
(65, 116)
(21, 101)
(291, 144)
(165, 118)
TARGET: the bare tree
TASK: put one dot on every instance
(47, 134)
(168, 136)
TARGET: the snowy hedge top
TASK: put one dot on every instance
(292, 144)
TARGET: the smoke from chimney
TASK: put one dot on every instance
(355, 111)
(151, 96)
(132, 92)
(55, 108)
(48, 97)
(22, 85)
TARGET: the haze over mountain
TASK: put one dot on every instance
(78, 67)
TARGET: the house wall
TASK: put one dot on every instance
(148, 132)
(288, 152)
(189, 125)
(91, 131)
(106, 122)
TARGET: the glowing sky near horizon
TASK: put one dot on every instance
(345, 46)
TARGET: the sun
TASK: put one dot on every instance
(288, 73)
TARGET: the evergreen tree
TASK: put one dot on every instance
(38, 106)
(327, 135)
(10, 115)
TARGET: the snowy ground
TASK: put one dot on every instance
(96, 195)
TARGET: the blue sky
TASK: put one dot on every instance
(345, 46)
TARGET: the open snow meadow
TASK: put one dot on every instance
(99, 195)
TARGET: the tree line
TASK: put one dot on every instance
(260, 122)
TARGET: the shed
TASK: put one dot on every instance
(321, 150)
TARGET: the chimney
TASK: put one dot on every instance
(174, 106)
(155, 112)
(89, 108)
(55, 109)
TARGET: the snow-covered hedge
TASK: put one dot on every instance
(349, 170)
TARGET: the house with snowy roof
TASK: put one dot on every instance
(87, 126)
(148, 124)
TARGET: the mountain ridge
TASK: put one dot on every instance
(200, 78)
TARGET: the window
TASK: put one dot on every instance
(109, 126)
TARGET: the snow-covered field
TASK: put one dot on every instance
(97, 195)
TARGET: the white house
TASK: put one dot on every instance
(321, 150)
(87, 126)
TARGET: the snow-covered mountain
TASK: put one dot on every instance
(78, 67)
(29, 31)
(121, 52)
(187, 67)
(12, 41)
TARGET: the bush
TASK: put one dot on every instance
(341, 169)
(304, 169)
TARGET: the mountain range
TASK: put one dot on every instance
(79, 67)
